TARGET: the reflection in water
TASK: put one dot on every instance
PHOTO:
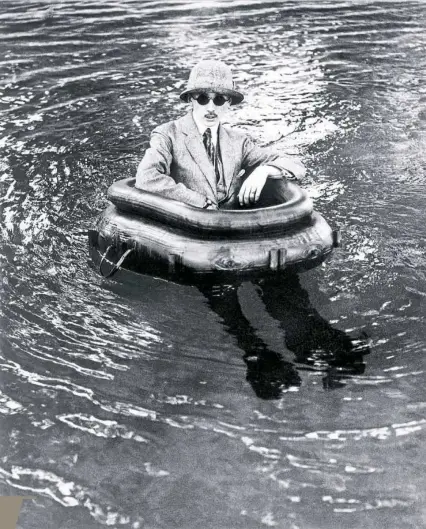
(314, 342)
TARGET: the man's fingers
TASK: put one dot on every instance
(246, 199)
(241, 195)
(244, 192)
(249, 193)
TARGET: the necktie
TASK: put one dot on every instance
(208, 144)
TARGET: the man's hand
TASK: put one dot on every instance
(252, 187)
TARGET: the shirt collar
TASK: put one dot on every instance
(202, 128)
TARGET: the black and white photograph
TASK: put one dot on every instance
(212, 264)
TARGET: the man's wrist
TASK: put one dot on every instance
(267, 171)
(272, 171)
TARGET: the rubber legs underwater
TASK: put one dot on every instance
(315, 344)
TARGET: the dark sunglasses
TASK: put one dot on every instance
(218, 100)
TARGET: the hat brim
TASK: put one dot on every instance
(236, 97)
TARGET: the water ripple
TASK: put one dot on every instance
(100, 428)
(381, 433)
(57, 488)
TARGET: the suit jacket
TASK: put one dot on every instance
(177, 166)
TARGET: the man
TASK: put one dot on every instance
(197, 160)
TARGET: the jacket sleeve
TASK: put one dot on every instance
(254, 155)
(153, 173)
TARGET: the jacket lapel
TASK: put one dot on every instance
(227, 155)
(195, 146)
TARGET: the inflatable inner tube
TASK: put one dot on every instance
(287, 204)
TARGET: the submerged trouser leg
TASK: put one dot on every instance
(267, 372)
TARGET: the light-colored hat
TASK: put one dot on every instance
(212, 76)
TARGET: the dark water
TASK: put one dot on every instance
(138, 403)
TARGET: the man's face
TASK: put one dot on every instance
(209, 114)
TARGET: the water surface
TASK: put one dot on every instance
(139, 403)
